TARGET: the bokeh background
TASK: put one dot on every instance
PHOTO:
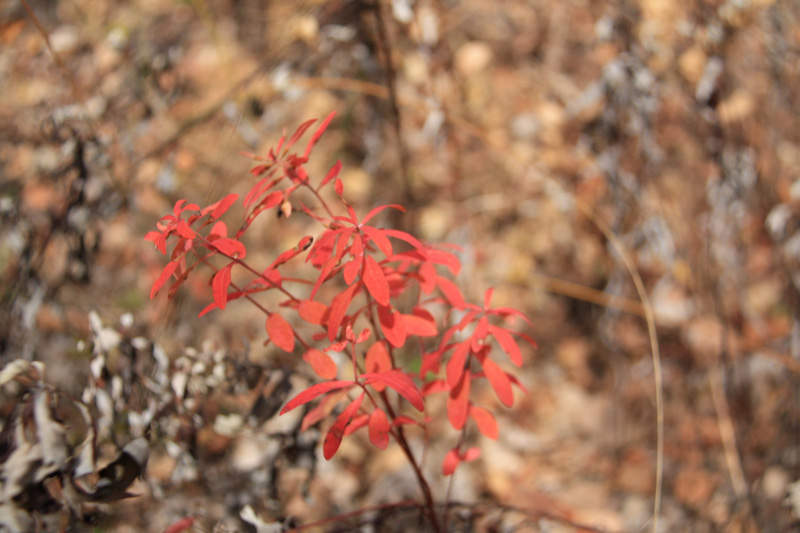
(514, 129)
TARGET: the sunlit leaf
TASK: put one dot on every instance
(321, 363)
(313, 392)
(334, 436)
(379, 429)
(280, 332)
(399, 381)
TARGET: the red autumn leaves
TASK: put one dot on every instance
(391, 294)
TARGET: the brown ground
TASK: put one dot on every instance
(526, 129)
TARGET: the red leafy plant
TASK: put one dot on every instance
(380, 323)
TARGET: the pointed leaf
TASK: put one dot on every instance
(314, 391)
(185, 231)
(392, 326)
(420, 323)
(380, 208)
(334, 436)
(352, 269)
(165, 274)
(338, 311)
(379, 239)
(378, 360)
(450, 291)
(219, 208)
(375, 280)
(403, 236)
(458, 402)
(332, 173)
(499, 382)
(280, 332)
(322, 409)
(321, 363)
(455, 366)
(379, 429)
(399, 381)
(317, 134)
(444, 258)
(507, 342)
(158, 239)
(301, 129)
(357, 423)
(487, 297)
(220, 284)
(485, 421)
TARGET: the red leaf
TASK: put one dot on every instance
(181, 525)
(427, 274)
(280, 332)
(455, 366)
(444, 258)
(380, 240)
(458, 402)
(399, 381)
(375, 280)
(271, 200)
(471, 454)
(420, 323)
(324, 272)
(313, 312)
(338, 186)
(338, 311)
(219, 229)
(430, 363)
(158, 239)
(404, 421)
(450, 291)
(478, 337)
(379, 429)
(334, 436)
(435, 387)
(299, 132)
(454, 457)
(485, 421)
(509, 311)
(317, 134)
(323, 409)
(230, 247)
(165, 274)
(352, 268)
(380, 208)
(392, 326)
(357, 423)
(312, 392)
(321, 362)
(220, 284)
(207, 309)
(450, 462)
(185, 231)
(499, 381)
(507, 342)
(219, 208)
(403, 236)
(378, 360)
(332, 173)
(487, 297)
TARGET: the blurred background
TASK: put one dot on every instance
(499, 125)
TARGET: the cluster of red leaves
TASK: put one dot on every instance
(371, 276)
